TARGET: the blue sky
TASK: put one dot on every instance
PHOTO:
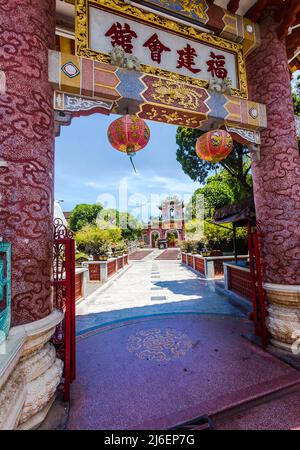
(87, 167)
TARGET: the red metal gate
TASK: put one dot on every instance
(64, 300)
(258, 296)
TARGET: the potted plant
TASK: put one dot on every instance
(93, 240)
(81, 257)
(188, 247)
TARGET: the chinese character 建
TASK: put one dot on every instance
(187, 59)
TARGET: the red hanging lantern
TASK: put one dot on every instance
(214, 146)
(128, 134)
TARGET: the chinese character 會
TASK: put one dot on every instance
(216, 66)
(121, 36)
(187, 59)
(156, 48)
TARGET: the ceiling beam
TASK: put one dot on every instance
(233, 6)
(293, 40)
(256, 10)
(290, 19)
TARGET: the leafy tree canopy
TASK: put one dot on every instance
(131, 228)
(215, 237)
(296, 96)
(84, 214)
(219, 190)
(237, 164)
(92, 239)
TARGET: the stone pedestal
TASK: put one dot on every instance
(276, 180)
(27, 153)
(29, 374)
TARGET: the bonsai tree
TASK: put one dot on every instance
(93, 240)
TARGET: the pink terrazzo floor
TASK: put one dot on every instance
(169, 254)
(158, 372)
(279, 414)
(141, 254)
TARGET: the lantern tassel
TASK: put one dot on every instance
(132, 163)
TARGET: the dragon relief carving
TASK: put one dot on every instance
(170, 93)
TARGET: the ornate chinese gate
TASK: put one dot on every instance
(5, 289)
(64, 300)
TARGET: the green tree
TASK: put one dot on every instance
(131, 228)
(237, 163)
(84, 214)
(91, 239)
(296, 96)
(215, 237)
(219, 190)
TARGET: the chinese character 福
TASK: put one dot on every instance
(216, 66)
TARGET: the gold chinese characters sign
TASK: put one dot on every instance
(157, 45)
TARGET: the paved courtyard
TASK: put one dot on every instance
(149, 287)
(157, 347)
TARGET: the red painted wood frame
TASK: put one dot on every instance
(258, 297)
(183, 258)
(64, 299)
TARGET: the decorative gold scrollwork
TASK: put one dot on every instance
(127, 10)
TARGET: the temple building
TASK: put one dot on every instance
(169, 225)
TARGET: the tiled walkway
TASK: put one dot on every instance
(169, 254)
(152, 287)
(158, 347)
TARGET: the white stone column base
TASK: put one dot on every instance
(283, 320)
(29, 374)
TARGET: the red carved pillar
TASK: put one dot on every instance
(277, 183)
(27, 31)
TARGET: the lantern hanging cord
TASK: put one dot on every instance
(132, 163)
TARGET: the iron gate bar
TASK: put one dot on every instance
(252, 278)
(260, 290)
(64, 299)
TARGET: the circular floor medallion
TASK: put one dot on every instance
(159, 344)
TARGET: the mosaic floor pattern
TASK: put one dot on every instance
(155, 373)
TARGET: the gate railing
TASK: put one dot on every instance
(5, 289)
(258, 296)
(64, 300)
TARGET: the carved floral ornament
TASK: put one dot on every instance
(122, 32)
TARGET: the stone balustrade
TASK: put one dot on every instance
(209, 266)
(237, 279)
(101, 271)
(81, 280)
